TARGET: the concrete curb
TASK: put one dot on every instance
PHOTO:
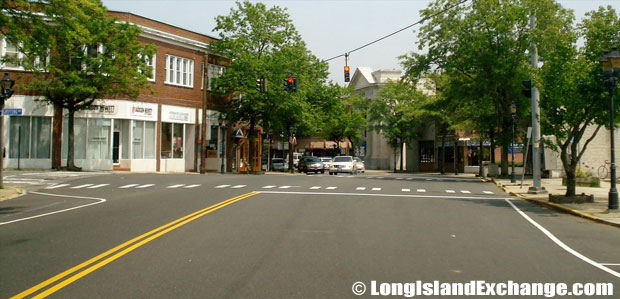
(557, 207)
(17, 192)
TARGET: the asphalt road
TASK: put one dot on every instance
(124, 235)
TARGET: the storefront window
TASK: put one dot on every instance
(79, 131)
(138, 139)
(166, 140)
(177, 141)
(41, 136)
(125, 123)
(19, 137)
(212, 145)
(149, 140)
(98, 138)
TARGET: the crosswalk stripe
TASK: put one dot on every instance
(191, 186)
(98, 186)
(487, 192)
(376, 189)
(128, 186)
(450, 191)
(406, 190)
(175, 186)
(331, 188)
(399, 178)
(57, 186)
(269, 187)
(315, 187)
(285, 187)
(409, 179)
(81, 186)
(222, 186)
(360, 188)
(238, 186)
(465, 192)
(421, 190)
(145, 186)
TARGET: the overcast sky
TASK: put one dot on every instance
(329, 28)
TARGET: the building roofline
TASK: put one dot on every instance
(163, 23)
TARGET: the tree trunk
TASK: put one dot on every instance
(402, 145)
(394, 148)
(57, 138)
(505, 145)
(442, 166)
(492, 137)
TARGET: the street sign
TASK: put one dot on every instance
(12, 111)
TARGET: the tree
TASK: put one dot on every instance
(345, 118)
(263, 43)
(77, 55)
(573, 97)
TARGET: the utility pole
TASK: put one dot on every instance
(203, 131)
(537, 186)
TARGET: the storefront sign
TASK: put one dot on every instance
(105, 109)
(174, 115)
(97, 139)
(141, 111)
(12, 111)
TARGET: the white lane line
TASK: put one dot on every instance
(560, 243)
(238, 186)
(399, 178)
(465, 192)
(406, 190)
(608, 264)
(57, 186)
(81, 186)
(98, 186)
(222, 186)
(128, 186)
(145, 186)
(99, 200)
(360, 188)
(421, 190)
(175, 186)
(269, 187)
(450, 191)
(487, 192)
(378, 195)
(376, 189)
(331, 188)
(191, 186)
(315, 187)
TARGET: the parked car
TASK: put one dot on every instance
(279, 164)
(326, 162)
(359, 165)
(343, 164)
(310, 163)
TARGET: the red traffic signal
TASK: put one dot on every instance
(346, 73)
(289, 80)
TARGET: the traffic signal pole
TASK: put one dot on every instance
(537, 185)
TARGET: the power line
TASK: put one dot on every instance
(395, 32)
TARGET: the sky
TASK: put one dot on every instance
(329, 28)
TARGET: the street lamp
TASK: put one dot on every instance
(611, 67)
(6, 91)
(291, 138)
(222, 122)
(513, 112)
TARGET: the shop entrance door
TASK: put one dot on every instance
(116, 147)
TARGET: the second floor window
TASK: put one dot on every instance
(179, 71)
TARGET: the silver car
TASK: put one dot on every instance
(279, 164)
(359, 165)
(326, 162)
(342, 164)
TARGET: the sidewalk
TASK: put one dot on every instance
(596, 211)
(9, 192)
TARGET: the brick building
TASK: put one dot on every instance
(154, 132)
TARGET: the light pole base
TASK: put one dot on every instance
(613, 200)
(537, 190)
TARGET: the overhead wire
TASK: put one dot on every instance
(397, 31)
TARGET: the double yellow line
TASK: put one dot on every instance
(120, 250)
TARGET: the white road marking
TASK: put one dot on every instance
(465, 191)
(99, 200)
(315, 187)
(269, 187)
(57, 186)
(222, 186)
(360, 188)
(81, 186)
(378, 195)
(421, 190)
(608, 264)
(376, 189)
(330, 188)
(191, 186)
(409, 179)
(561, 244)
(284, 187)
(145, 186)
(175, 186)
(487, 192)
(399, 178)
(128, 186)
(238, 186)
(406, 190)
(450, 191)
(98, 186)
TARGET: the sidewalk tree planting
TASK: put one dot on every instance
(574, 100)
(345, 117)
(262, 42)
(77, 55)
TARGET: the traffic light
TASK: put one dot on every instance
(290, 84)
(347, 77)
(261, 84)
(527, 88)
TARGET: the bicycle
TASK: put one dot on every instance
(603, 170)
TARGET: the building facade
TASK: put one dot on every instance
(159, 131)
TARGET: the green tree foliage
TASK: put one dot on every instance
(263, 42)
(573, 96)
(345, 117)
(77, 54)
